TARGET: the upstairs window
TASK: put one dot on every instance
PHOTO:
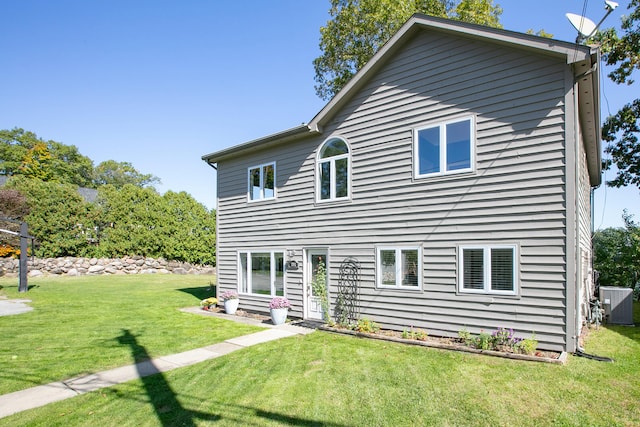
(332, 171)
(488, 269)
(444, 148)
(262, 180)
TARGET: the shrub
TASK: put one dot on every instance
(484, 341)
(464, 336)
(420, 335)
(415, 334)
(367, 326)
(528, 345)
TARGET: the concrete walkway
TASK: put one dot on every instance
(9, 307)
(41, 395)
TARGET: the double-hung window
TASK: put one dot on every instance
(489, 269)
(261, 273)
(333, 170)
(444, 148)
(262, 180)
(399, 268)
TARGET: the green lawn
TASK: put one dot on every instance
(82, 324)
(325, 379)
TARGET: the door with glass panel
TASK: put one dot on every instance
(317, 285)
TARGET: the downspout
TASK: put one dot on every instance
(578, 252)
(215, 167)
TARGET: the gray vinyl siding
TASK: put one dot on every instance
(584, 232)
(515, 195)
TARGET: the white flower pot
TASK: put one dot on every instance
(231, 305)
(279, 315)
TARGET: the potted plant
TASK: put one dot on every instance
(278, 308)
(231, 301)
(208, 303)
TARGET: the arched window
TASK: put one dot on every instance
(333, 169)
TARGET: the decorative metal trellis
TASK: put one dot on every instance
(347, 309)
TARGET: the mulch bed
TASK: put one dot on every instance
(429, 341)
(452, 344)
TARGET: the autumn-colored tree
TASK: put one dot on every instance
(24, 153)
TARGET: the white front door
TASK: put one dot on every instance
(317, 284)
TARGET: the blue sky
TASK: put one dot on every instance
(160, 83)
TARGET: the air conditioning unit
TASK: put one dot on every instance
(617, 304)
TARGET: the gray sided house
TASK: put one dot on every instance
(455, 170)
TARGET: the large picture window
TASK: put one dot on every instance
(333, 170)
(488, 269)
(399, 268)
(444, 148)
(262, 180)
(261, 273)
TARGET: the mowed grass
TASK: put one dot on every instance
(85, 324)
(325, 379)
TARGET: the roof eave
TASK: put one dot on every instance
(589, 116)
(267, 141)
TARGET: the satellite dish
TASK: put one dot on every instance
(585, 26)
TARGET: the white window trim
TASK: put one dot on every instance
(443, 152)
(249, 182)
(332, 160)
(487, 269)
(272, 273)
(398, 250)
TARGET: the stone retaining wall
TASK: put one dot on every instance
(69, 266)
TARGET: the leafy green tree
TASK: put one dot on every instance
(24, 153)
(139, 221)
(358, 28)
(14, 145)
(621, 130)
(482, 12)
(58, 217)
(120, 174)
(540, 33)
(132, 221)
(190, 229)
(70, 166)
(617, 254)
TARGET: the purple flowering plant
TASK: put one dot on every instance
(226, 295)
(279, 302)
(505, 337)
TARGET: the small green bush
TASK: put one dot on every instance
(484, 341)
(528, 345)
(464, 336)
(367, 326)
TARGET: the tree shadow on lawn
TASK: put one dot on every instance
(164, 400)
(171, 412)
(200, 292)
